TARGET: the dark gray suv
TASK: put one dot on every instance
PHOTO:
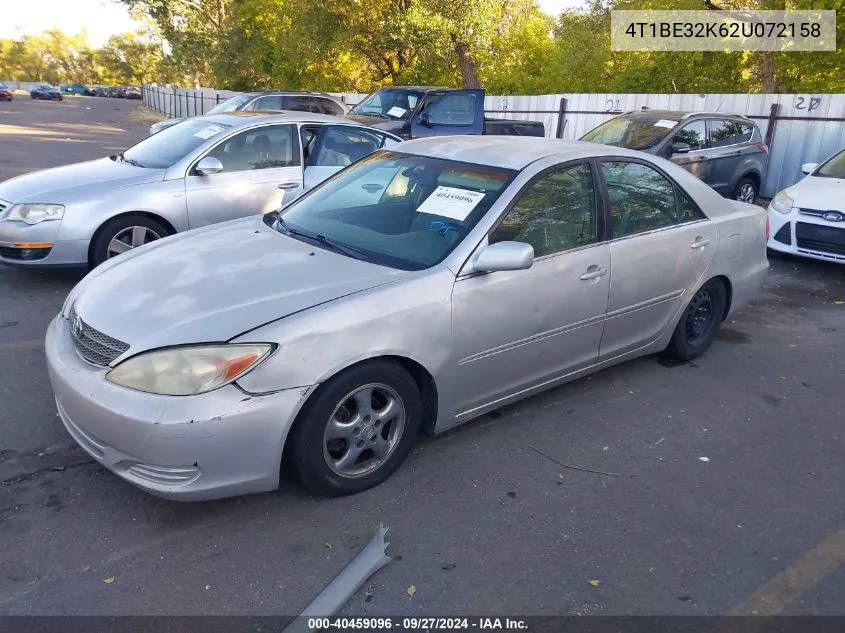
(724, 150)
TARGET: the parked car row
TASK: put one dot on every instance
(320, 306)
(46, 92)
(324, 336)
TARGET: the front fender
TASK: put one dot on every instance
(410, 318)
(165, 199)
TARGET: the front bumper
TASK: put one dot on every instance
(807, 236)
(218, 444)
(35, 246)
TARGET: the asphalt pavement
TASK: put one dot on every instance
(725, 493)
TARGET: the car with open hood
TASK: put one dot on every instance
(198, 172)
(419, 288)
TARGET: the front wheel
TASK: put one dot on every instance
(356, 429)
(699, 323)
(123, 234)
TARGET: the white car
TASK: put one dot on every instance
(808, 218)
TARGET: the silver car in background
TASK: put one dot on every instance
(321, 103)
(198, 172)
(417, 289)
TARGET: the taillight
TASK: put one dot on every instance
(768, 229)
(763, 147)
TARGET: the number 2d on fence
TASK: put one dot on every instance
(609, 106)
(807, 103)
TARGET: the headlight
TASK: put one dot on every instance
(782, 203)
(35, 213)
(186, 371)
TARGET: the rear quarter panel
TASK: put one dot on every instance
(741, 251)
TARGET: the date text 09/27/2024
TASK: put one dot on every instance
(417, 624)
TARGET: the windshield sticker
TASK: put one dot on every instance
(450, 202)
(397, 112)
(665, 123)
(208, 131)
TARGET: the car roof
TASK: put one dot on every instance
(297, 93)
(680, 115)
(239, 119)
(508, 152)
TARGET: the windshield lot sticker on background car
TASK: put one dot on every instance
(208, 131)
(397, 111)
(450, 202)
(665, 123)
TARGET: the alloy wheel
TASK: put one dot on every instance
(129, 238)
(746, 193)
(364, 430)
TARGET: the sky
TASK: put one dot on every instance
(103, 18)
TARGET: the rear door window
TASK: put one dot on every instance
(298, 103)
(269, 103)
(744, 131)
(326, 106)
(722, 133)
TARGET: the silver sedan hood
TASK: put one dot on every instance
(214, 284)
(59, 183)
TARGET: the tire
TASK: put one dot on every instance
(120, 229)
(745, 190)
(692, 336)
(317, 458)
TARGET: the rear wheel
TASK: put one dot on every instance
(356, 429)
(123, 234)
(746, 190)
(699, 322)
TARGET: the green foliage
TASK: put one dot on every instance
(506, 46)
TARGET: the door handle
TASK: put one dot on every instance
(594, 272)
(287, 185)
(699, 243)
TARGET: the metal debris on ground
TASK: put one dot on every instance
(560, 463)
(372, 558)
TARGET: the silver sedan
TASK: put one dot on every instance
(417, 289)
(197, 172)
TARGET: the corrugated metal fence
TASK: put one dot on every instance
(798, 128)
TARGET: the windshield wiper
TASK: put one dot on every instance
(340, 247)
(131, 161)
(378, 114)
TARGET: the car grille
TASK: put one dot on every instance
(94, 346)
(823, 239)
(784, 235)
(3, 206)
(819, 213)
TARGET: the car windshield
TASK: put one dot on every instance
(392, 103)
(834, 167)
(633, 132)
(398, 210)
(230, 105)
(167, 147)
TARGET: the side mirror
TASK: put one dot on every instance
(680, 148)
(423, 119)
(208, 166)
(505, 256)
(808, 167)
